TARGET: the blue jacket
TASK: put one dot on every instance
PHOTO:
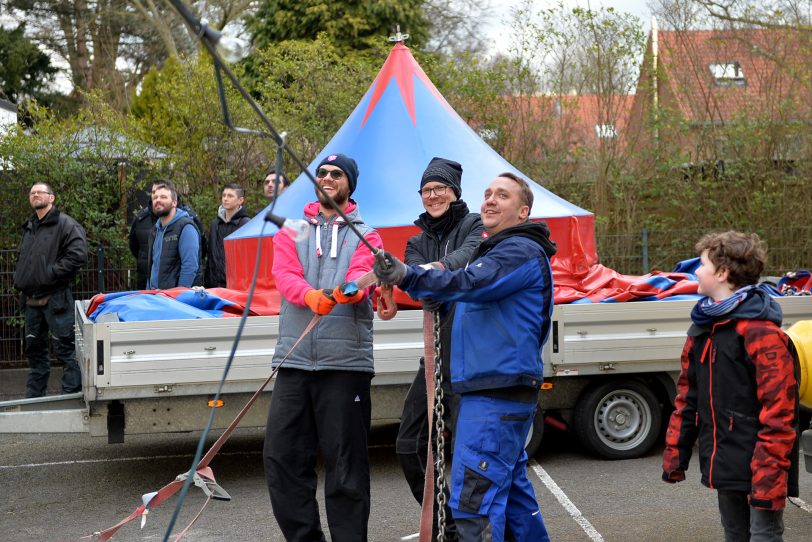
(174, 255)
(504, 308)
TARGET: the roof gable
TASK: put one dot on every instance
(712, 76)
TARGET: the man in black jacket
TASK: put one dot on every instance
(141, 228)
(449, 235)
(230, 217)
(52, 251)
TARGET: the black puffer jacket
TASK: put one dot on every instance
(51, 253)
(451, 240)
(219, 230)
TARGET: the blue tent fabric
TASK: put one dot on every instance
(137, 306)
(399, 125)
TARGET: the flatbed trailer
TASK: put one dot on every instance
(610, 372)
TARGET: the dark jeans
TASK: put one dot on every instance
(331, 411)
(412, 440)
(743, 523)
(56, 317)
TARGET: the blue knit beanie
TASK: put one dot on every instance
(347, 165)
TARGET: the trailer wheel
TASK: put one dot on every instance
(534, 437)
(619, 419)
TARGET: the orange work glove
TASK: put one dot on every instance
(320, 301)
(348, 293)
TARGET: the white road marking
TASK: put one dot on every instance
(806, 507)
(414, 536)
(559, 494)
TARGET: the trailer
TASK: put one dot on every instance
(609, 374)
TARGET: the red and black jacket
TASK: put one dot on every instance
(738, 394)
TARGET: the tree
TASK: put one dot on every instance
(109, 45)
(25, 71)
(455, 25)
(352, 25)
(309, 88)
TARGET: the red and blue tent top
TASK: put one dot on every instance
(399, 125)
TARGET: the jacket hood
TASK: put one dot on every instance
(535, 231)
(179, 213)
(758, 305)
(311, 211)
(238, 214)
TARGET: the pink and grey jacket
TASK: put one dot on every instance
(331, 255)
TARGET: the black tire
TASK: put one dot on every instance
(536, 434)
(619, 419)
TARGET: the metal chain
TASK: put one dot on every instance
(439, 425)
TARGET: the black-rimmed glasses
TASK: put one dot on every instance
(438, 191)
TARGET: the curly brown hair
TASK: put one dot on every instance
(744, 255)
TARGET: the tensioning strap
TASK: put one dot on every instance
(426, 515)
(204, 474)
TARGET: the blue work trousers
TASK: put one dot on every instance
(491, 497)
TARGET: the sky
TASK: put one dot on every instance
(498, 29)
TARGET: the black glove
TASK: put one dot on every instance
(430, 304)
(392, 272)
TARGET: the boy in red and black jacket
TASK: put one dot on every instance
(737, 392)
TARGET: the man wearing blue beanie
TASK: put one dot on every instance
(321, 397)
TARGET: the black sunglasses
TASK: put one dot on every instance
(336, 174)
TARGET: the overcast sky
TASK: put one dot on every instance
(497, 30)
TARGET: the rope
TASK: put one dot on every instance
(202, 470)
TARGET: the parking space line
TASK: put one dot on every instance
(800, 503)
(562, 498)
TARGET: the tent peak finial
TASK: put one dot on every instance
(398, 37)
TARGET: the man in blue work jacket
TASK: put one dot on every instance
(504, 307)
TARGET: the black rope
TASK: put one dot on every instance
(209, 37)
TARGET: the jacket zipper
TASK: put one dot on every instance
(713, 411)
(711, 363)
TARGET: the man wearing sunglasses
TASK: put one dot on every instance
(321, 397)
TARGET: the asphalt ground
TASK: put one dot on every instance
(58, 487)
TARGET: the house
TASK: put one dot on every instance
(565, 126)
(694, 84)
(8, 115)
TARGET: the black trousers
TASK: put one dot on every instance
(57, 317)
(412, 440)
(330, 411)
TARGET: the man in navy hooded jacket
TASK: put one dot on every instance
(504, 307)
